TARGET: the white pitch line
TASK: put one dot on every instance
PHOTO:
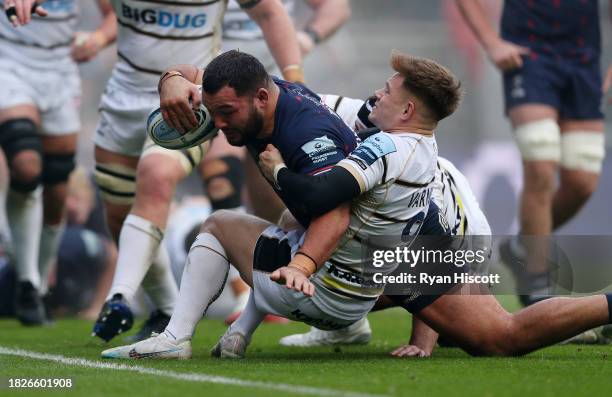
(190, 377)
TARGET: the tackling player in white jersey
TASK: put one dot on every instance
(475, 322)
(39, 123)
(135, 188)
(456, 202)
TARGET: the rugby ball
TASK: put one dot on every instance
(169, 138)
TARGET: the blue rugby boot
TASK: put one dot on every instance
(114, 319)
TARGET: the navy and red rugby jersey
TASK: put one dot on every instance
(310, 137)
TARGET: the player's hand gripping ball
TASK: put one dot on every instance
(169, 138)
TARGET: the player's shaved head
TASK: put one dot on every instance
(238, 70)
(434, 85)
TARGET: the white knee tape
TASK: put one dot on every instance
(539, 140)
(188, 158)
(117, 182)
(583, 150)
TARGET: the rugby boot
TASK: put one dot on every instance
(158, 346)
(114, 319)
(29, 307)
(358, 333)
(231, 345)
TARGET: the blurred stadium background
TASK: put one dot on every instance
(354, 63)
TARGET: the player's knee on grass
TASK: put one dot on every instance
(223, 180)
(22, 146)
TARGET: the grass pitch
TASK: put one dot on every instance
(328, 371)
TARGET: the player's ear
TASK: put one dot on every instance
(262, 96)
(408, 111)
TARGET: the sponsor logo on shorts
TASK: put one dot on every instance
(316, 322)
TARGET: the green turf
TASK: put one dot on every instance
(556, 371)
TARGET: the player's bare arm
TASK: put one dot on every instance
(321, 240)
(422, 341)
(504, 54)
(86, 45)
(329, 16)
(280, 35)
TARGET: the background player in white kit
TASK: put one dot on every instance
(39, 123)
(151, 36)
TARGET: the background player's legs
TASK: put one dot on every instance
(21, 142)
(582, 154)
(538, 138)
(116, 178)
(58, 163)
(142, 231)
(479, 324)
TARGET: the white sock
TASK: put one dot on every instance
(24, 213)
(241, 302)
(249, 319)
(139, 241)
(159, 283)
(50, 239)
(203, 279)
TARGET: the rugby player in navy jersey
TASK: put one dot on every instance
(549, 53)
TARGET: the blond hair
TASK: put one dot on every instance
(436, 87)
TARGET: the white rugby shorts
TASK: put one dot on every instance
(56, 95)
(122, 127)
